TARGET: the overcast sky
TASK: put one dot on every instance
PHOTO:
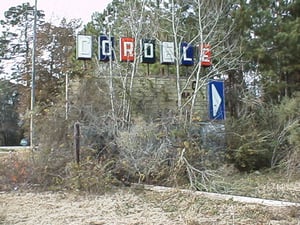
(55, 10)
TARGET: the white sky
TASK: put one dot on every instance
(55, 10)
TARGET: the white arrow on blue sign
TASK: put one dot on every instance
(216, 100)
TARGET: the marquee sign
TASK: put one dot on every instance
(127, 49)
(186, 54)
(84, 47)
(105, 48)
(167, 53)
(148, 51)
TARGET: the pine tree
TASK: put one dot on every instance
(10, 132)
(271, 44)
(17, 36)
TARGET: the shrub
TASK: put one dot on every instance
(289, 116)
(165, 153)
(15, 170)
(266, 136)
(144, 152)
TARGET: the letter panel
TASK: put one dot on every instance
(84, 47)
(148, 51)
(205, 55)
(105, 48)
(167, 53)
(187, 54)
(127, 49)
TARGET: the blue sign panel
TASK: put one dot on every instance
(148, 51)
(216, 100)
(105, 48)
(187, 54)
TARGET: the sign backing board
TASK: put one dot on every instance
(216, 100)
(127, 49)
(186, 54)
(105, 48)
(167, 53)
(84, 47)
(205, 55)
(148, 51)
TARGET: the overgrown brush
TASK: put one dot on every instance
(147, 152)
(144, 151)
(289, 116)
(166, 154)
(15, 170)
(267, 136)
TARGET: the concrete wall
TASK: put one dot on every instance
(152, 95)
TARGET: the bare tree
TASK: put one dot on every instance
(214, 27)
(134, 16)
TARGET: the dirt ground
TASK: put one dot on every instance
(135, 206)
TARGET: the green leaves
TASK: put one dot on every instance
(9, 117)
(273, 44)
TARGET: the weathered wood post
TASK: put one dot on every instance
(77, 142)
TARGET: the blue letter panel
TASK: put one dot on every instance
(104, 52)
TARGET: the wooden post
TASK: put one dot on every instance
(148, 69)
(77, 142)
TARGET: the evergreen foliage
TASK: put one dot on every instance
(10, 132)
(271, 37)
(266, 136)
